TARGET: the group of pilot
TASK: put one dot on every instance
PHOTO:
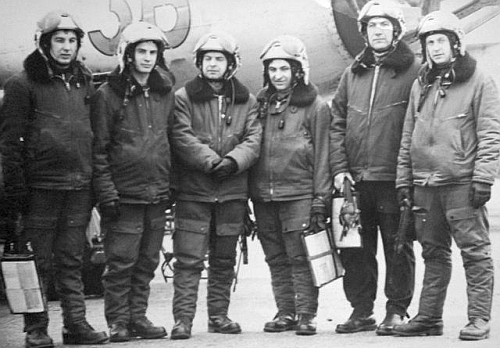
(403, 133)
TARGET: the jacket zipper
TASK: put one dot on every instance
(373, 91)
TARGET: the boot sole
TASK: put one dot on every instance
(422, 333)
(473, 338)
(48, 345)
(305, 333)
(215, 330)
(359, 329)
(77, 340)
(180, 337)
(150, 337)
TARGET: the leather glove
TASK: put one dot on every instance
(338, 181)
(405, 196)
(480, 193)
(225, 169)
(110, 210)
(318, 218)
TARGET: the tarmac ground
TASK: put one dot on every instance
(252, 305)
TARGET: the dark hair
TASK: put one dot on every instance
(297, 72)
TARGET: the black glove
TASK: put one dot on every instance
(110, 210)
(480, 193)
(225, 169)
(405, 196)
(318, 218)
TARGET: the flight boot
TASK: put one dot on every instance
(222, 324)
(387, 325)
(476, 329)
(280, 323)
(306, 325)
(144, 328)
(83, 333)
(38, 338)
(181, 329)
(420, 326)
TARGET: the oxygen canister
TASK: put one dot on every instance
(346, 225)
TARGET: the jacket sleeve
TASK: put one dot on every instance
(404, 177)
(102, 123)
(247, 151)
(486, 105)
(15, 115)
(320, 133)
(338, 153)
(187, 147)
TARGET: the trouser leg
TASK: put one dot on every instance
(360, 264)
(68, 255)
(225, 228)
(470, 230)
(148, 259)
(271, 238)
(192, 223)
(121, 246)
(400, 267)
(433, 233)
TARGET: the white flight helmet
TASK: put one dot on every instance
(139, 32)
(445, 23)
(383, 8)
(289, 48)
(219, 41)
(54, 21)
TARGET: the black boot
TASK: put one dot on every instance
(145, 329)
(420, 326)
(118, 332)
(280, 323)
(38, 338)
(386, 326)
(306, 325)
(222, 324)
(357, 323)
(83, 333)
(181, 329)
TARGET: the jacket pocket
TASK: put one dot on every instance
(292, 225)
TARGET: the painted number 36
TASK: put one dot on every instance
(176, 34)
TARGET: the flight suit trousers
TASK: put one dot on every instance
(132, 246)
(443, 213)
(200, 229)
(280, 226)
(55, 226)
(379, 211)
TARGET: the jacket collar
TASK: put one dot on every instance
(400, 59)
(199, 90)
(460, 71)
(160, 81)
(38, 69)
(302, 95)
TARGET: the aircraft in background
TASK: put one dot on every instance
(327, 27)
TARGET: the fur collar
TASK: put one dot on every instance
(302, 95)
(199, 90)
(400, 59)
(160, 81)
(38, 70)
(460, 71)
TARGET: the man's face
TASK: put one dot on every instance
(280, 74)
(439, 48)
(63, 47)
(145, 55)
(380, 32)
(214, 65)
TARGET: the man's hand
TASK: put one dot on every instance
(225, 169)
(405, 196)
(318, 218)
(338, 181)
(110, 210)
(480, 193)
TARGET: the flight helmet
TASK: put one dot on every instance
(383, 8)
(54, 21)
(136, 33)
(440, 22)
(218, 41)
(290, 49)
